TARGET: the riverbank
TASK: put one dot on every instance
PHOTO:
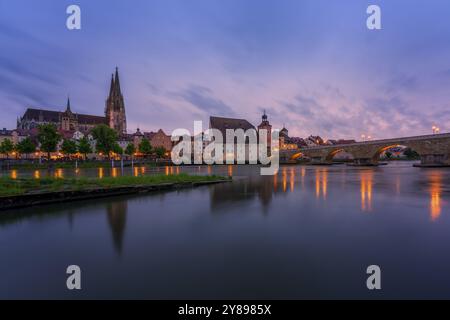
(15, 165)
(19, 193)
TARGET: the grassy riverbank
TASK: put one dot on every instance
(72, 165)
(15, 187)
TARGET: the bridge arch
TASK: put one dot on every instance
(385, 148)
(334, 152)
(297, 156)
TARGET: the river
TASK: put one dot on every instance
(309, 232)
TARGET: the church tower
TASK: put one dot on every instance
(68, 121)
(115, 106)
(265, 124)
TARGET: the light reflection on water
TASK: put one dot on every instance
(366, 190)
(321, 183)
(287, 176)
(114, 172)
(308, 221)
(435, 195)
(230, 170)
(59, 173)
(292, 179)
(100, 173)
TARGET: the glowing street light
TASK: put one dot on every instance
(435, 129)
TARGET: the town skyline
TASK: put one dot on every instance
(340, 82)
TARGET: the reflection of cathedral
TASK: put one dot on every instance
(69, 121)
(117, 218)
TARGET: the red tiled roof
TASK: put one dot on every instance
(149, 135)
(66, 134)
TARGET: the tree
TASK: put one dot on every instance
(145, 147)
(69, 147)
(6, 147)
(117, 149)
(106, 139)
(160, 152)
(130, 149)
(48, 138)
(84, 147)
(26, 146)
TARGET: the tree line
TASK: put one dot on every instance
(106, 139)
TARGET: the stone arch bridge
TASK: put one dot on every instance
(434, 150)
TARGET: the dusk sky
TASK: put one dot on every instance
(313, 65)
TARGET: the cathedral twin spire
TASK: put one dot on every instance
(114, 90)
(115, 106)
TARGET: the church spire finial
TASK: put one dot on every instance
(111, 88)
(117, 82)
(68, 103)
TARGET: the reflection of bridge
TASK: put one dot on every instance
(434, 150)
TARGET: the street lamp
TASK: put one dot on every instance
(435, 129)
(363, 137)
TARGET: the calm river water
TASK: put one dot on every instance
(309, 232)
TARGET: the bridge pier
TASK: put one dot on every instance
(320, 161)
(433, 161)
(364, 162)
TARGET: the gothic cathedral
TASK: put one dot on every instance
(115, 107)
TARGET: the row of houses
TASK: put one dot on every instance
(157, 139)
(15, 136)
